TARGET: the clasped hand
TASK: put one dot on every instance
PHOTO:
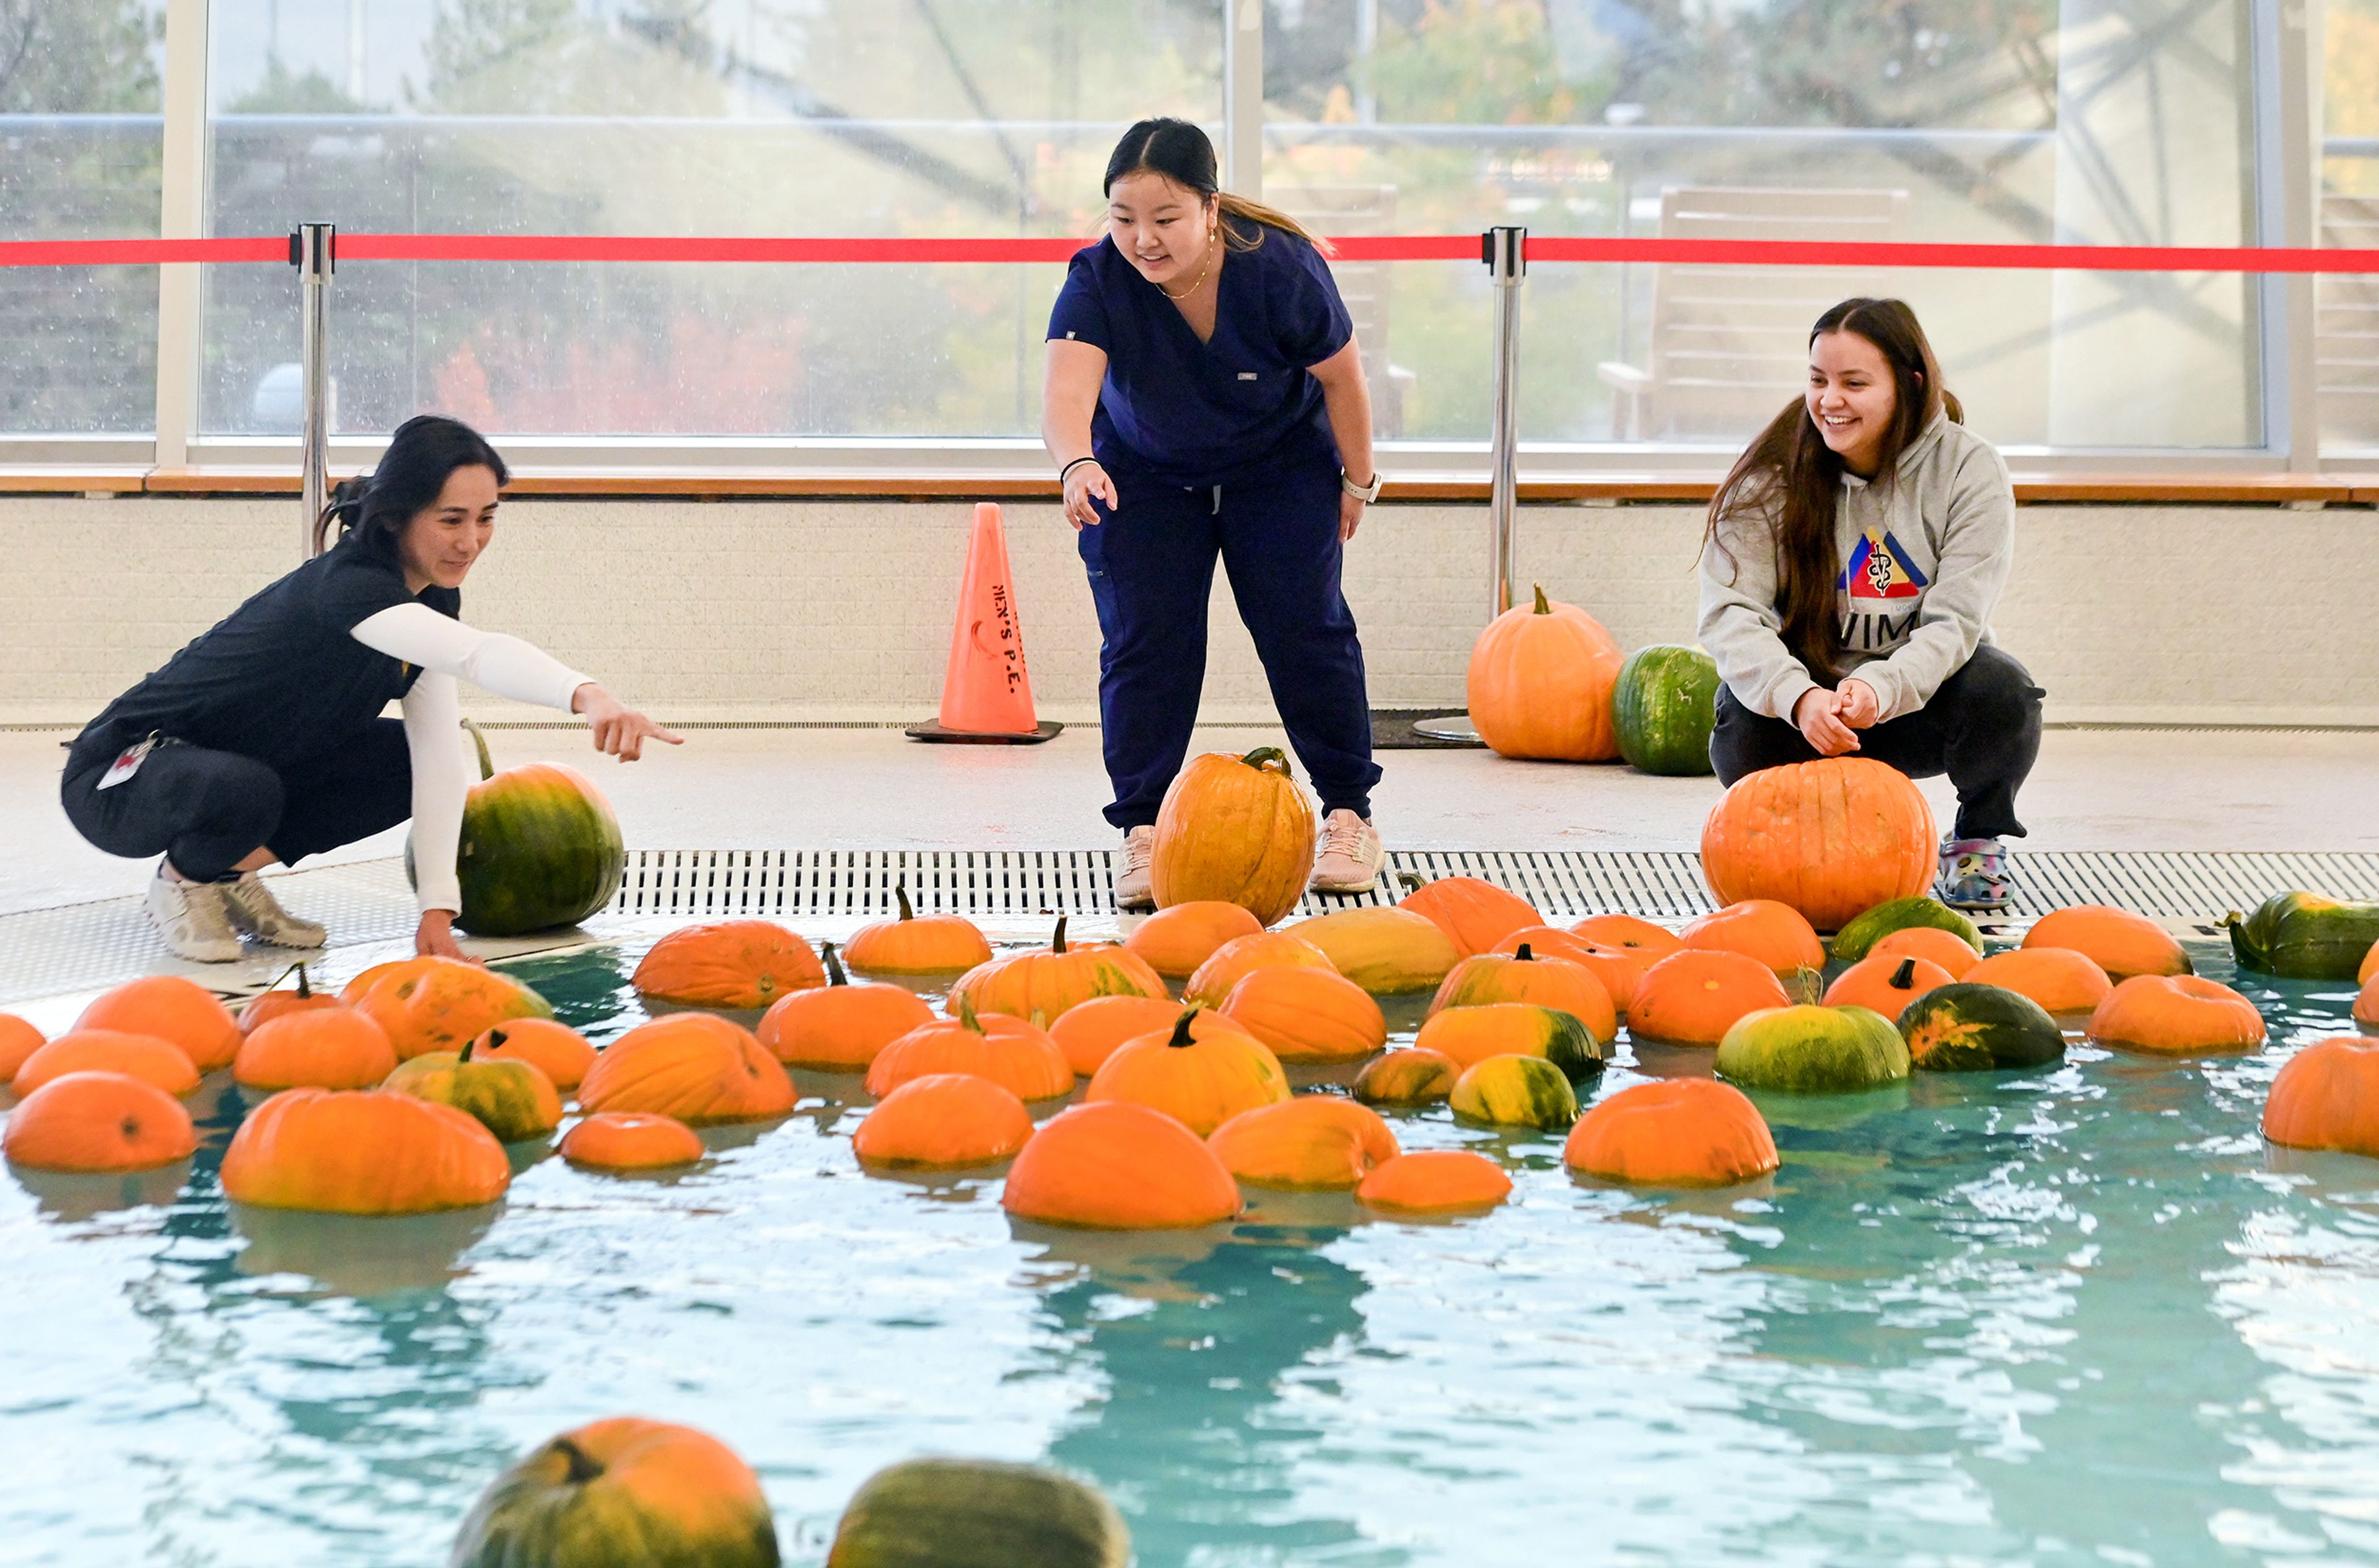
(1830, 721)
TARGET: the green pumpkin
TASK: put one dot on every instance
(1663, 707)
(1962, 1028)
(540, 848)
(1514, 1092)
(2304, 937)
(1852, 941)
(1812, 1050)
(977, 1514)
(511, 1099)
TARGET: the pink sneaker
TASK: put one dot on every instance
(1350, 855)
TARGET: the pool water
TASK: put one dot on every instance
(2073, 1316)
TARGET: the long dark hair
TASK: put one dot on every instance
(1180, 152)
(1790, 473)
(371, 509)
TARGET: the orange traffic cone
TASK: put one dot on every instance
(986, 691)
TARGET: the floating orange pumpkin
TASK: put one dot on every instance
(554, 1049)
(1475, 915)
(1541, 681)
(270, 1004)
(1523, 977)
(1040, 986)
(631, 1140)
(621, 1492)
(513, 1099)
(2369, 971)
(19, 1040)
(1411, 1077)
(1630, 934)
(1616, 970)
(1176, 940)
(1388, 951)
(1952, 952)
(2058, 978)
(1884, 984)
(2366, 1003)
(98, 1122)
(1308, 1015)
(1236, 829)
(2327, 1096)
(728, 963)
(1240, 956)
(2118, 941)
(1833, 839)
(320, 1048)
(171, 1008)
(345, 1152)
(158, 1063)
(841, 1027)
(943, 1121)
(1201, 1082)
(1313, 1143)
(1018, 1056)
(2176, 1014)
(696, 1066)
(441, 1004)
(1673, 1132)
(1119, 1165)
(1435, 1181)
(353, 990)
(1759, 928)
(1089, 1033)
(916, 943)
(1467, 1036)
(1693, 998)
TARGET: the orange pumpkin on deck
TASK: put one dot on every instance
(320, 1048)
(1313, 1143)
(916, 943)
(2173, 1015)
(270, 1004)
(1236, 829)
(1175, 941)
(1241, 957)
(367, 1152)
(2058, 978)
(1617, 969)
(1435, 1181)
(2327, 1096)
(1630, 934)
(1693, 998)
(841, 1027)
(442, 1004)
(19, 1040)
(1759, 928)
(1089, 1033)
(696, 1066)
(2118, 941)
(943, 1121)
(1411, 1077)
(1541, 681)
(1884, 984)
(1119, 1165)
(97, 1123)
(728, 963)
(171, 1008)
(1952, 952)
(1308, 1015)
(1201, 1082)
(155, 1062)
(554, 1049)
(631, 1140)
(1018, 1056)
(1523, 977)
(1475, 915)
(1040, 986)
(1833, 839)
(1673, 1132)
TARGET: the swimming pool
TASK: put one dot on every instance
(2080, 1315)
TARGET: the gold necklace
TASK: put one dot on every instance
(1194, 288)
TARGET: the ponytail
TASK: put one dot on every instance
(1180, 152)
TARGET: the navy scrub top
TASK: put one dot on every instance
(1187, 412)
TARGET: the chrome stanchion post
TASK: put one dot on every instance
(1505, 251)
(313, 251)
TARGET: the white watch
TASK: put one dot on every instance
(1367, 494)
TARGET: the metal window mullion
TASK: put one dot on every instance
(181, 215)
(2288, 195)
(1243, 39)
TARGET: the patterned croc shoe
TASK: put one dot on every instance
(1975, 875)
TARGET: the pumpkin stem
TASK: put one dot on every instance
(834, 975)
(466, 1056)
(1268, 759)
(1543, 606)
(900, 891)
(1904, 977)
(966, 1020)
(304, 991)
(1526, 955)
(582, 1468)
(1181, 1035)
(487, 762)
(1057, 937)
(1411, 881)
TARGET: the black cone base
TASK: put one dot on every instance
(930, 731)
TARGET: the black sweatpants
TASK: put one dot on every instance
(1982, 729)
(206, 811)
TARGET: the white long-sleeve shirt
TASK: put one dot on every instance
(448, 651)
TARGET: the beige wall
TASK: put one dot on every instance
(842, 609)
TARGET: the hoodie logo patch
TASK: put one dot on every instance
(1879, 569)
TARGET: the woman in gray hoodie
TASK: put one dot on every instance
(1848, 575)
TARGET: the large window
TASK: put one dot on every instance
(80, 159)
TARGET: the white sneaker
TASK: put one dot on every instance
(1350, 857)
(253, 908)
(191, 917)
(1133, 888)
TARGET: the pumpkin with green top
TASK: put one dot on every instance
(1813, 1050)
(1852, 941)
(513, 1099)
(2304, 937)
(1962, 1027)
(540, 848)
(1664, 708)
(1514, 1090)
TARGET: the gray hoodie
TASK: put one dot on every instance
(1926, 552)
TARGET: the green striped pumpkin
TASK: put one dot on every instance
(540, 848)
(1813, 1050)
(1663, 707)
(1514, 1092)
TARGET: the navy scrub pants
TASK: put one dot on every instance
(1151, 570)
(206, 811)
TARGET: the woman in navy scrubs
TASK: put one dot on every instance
(1204, 398)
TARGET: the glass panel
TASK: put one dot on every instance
(81, 157)
(2080, 121)
(673, 118)
(2347, 339)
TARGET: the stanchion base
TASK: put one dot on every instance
(930, 731)
(1453, 727)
